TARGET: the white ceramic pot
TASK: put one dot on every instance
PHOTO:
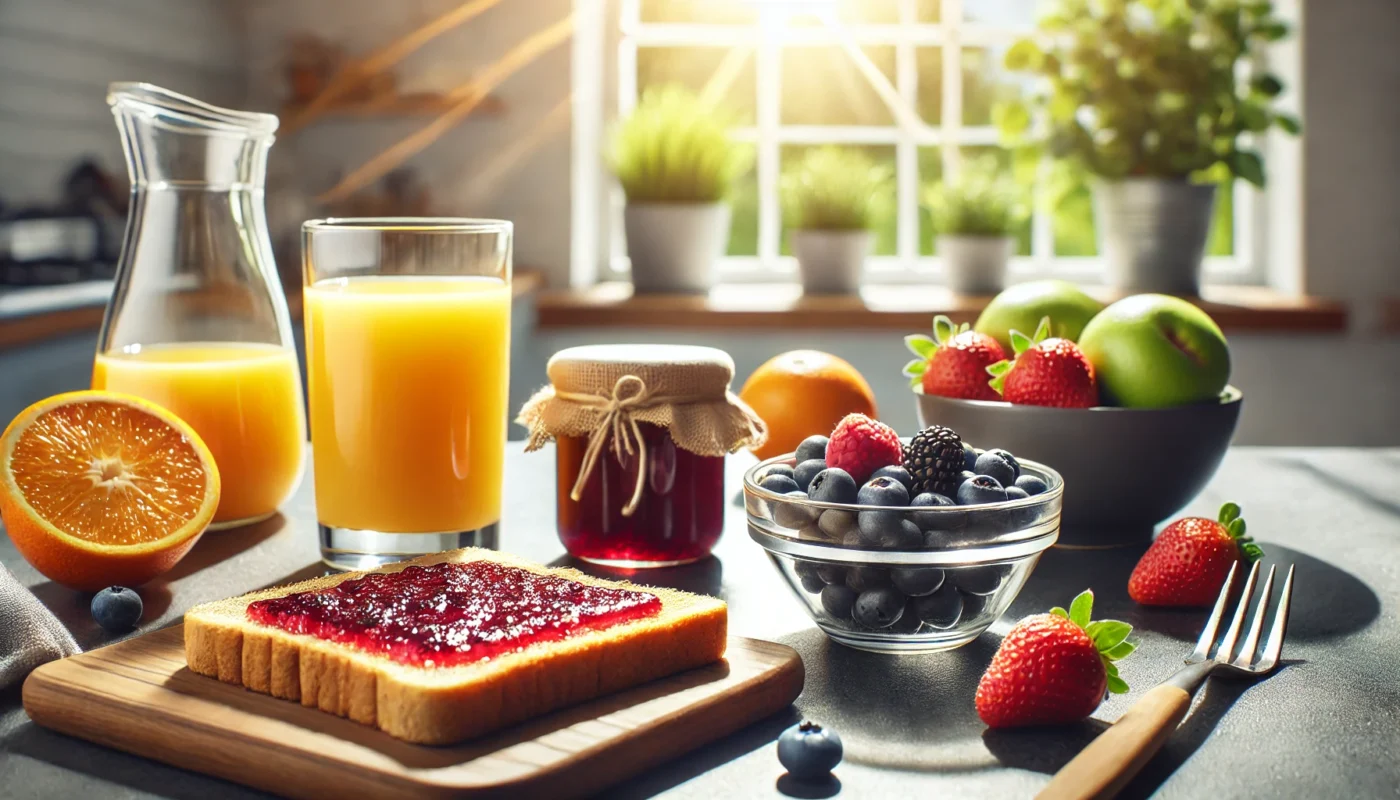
(674, 246)
(830, 261)
(975, 264)
(1152, 233)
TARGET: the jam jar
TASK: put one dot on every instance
(641, 434)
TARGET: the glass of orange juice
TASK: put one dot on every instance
(408, 360)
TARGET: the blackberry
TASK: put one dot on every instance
(934, 459)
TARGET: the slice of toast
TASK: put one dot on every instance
(442, 705)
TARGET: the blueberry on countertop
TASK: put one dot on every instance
(883, 492)
(1030, 484)
(833, 485)
(917, 581)
(942, 609)
(813, 447)
(807, 575)
(838, 601)
(878, 608)
(1016, 493)
(981, 489)
(777, 469)
(897, 472)
(792, 514)
(780, 484)
(809, 751)
(865, 578)
(117, 609)
(994, 465)
(805, 471)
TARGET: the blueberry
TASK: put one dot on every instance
(940, 609)
(974, 605)
(981, 580)
(117, 609)
(780, 484)
(927, 519)
(909, 621)
(970, 455)
(1016, 493)
(831, 573)
(806, 471)
(852, 538)
(833, 485)
(838, 601)
(1030, 484)
(917, 581)
(864, 578)
(813, 447)
(883, 492)
(878, 608)
(965, 476)
(934, 540)
(837, 523)
(981, 489)
(808, 751)
(792, 514)
(777, 469)
(993, 465)
(811, 533)
(807, 575)
(1010, 459)
(898, 473)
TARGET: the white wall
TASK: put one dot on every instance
(57, 57)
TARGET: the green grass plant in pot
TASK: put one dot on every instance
(1146, 96)
(831, 200)
(974, 217)
(676, 161)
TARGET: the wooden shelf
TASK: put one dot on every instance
(1237, 309)
(401, 105)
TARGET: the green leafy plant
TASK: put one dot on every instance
(1148, 88)
(674, 148)
(834, 189)
(982, 201)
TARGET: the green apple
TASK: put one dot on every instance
(1151, 351)
(1022, 306)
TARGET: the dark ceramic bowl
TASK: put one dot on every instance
(1125, 469)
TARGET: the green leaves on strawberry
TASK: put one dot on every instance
(1045, 371)
(953, 362)
(1188, 563)
(1054, 668)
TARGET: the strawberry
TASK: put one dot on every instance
(1053, 668)
(1045, 372)
(1190, 560)
(861, 445)
(953, 362)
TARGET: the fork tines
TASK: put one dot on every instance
(1244, 659)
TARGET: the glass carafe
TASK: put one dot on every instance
(198, 322)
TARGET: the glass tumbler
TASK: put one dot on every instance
(408, 362)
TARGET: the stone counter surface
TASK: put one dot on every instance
(1326, 725)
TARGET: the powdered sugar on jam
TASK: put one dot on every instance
(451, 614)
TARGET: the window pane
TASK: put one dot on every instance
(885, 217)
(693, 68)
(986, 82)
(822, 86)
(1005, 14)
(930, 10)
(1222, 228)
(931, 171)
(743, 227)
(929, 62)
(869, 11)
(716, 12)
(1074, 224)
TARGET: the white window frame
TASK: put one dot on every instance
(614, 28)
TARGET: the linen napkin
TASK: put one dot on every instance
(29, 634)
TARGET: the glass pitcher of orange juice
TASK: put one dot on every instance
(198, 321)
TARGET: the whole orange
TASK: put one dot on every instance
(804, 393)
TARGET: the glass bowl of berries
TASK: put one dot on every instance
(902, 546)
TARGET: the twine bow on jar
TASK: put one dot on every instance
(618, 425)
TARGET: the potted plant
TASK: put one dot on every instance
(973, 216)
(676, 162)
(1146, 98)
(830, 201)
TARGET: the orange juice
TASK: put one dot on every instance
(408, 379)
(244, 401)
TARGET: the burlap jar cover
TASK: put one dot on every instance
(604, 392)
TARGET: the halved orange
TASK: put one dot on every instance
(100, 489)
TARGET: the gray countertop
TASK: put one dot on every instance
(1326, 725)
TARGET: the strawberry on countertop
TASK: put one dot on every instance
(953, 362)
(1045, 372)
(1053, 668)
(1190, 560)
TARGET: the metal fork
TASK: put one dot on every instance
(1112, 759)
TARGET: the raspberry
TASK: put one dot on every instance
(861, 445)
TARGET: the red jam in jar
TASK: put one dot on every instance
(678, 519)
(445, 615)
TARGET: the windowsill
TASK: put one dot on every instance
(1238, 309)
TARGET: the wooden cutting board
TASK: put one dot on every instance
(139, 696)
